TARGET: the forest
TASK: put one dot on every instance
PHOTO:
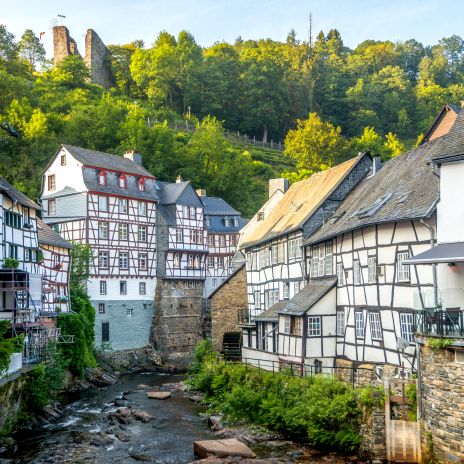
(327, 102)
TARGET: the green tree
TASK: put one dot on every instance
(315, 144)
(31, 49)
(71, 72)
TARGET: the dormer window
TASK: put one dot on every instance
(122, 181)
(141, 184)
(226, 222)
(102, 178)
(235, 222)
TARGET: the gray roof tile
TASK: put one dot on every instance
(48, 236)
(16, 195)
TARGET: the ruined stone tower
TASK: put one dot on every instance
(97, 55)
(63, 44)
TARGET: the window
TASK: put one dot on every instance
(274, 254)
(103, 203)
(200, 237)
(193, 236)
(208, 221)
(317, 366)
(142, 288)
(286, 324)
(235, 222)
(179, 235)
(123, 228)
(296, 288)
(176, 263)
(13, 251)
(52, 207)
(340, 274)
(260, 216)
(264, 257)
(372, 269)
(220, 261)
(142, 233)
(233, 240)
(103, 230)
(102, 287)
(210, 240)
(376, 328)
(222, 240)
(123, 287)
(328, 260)
(295, 325)
(122, 181)
(142, 261)
(28, 255)
(226, 222)
(210, 261)
(13, 219)
(294, 248)
(407, 326)
(257, 298)
(103, 260)
(123, 208)
(340, 323)
(359, 322)
(142, 208)
(102, 178)
(314, 326)
(321, 261)
(286, 290)
(190, 261)
(196, 262)
(192, 212)
(123, 260)
(63, 160)
(129, 312)
(141, 184)
(197, 236)
(101, 308)
(402, 270)
(356, 272)
(51, 182)
(105, 331)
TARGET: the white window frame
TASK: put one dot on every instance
(142, 233)
(222, 240)
(210, 261)
(192, 212)
(286, 293)
(407, 326)
(123, 230)
(340, 274)
(210, 240)
(123, 205)
(328, 259)
(257, 299)
(123, 260)
(359, 324)
(274, 254)
(371, 269)
(52, 207)
(103, 230)
(103, 287)
(314, 326)
(176, 261)
(142, 288)
(340, 323)
(220, 261)
(123, 287)
(375, 326)
(402, 270)
(103, 203)
(101, 308)
(143, 261)
(286, 324)
(356, 272)
(103, 256)
(179, 235)
(142, 208)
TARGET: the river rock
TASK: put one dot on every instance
(222, 448)
(178, 386)
(142, 416)
(141, 457)
(98, 377)
(215, 423)
(122, 437)
(196, 398)
(159, 395)
(100, 439)
(121, 402)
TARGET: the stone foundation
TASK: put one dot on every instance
(130, 361)
(442, 380)
(179, 321)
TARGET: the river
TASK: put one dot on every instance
(86, 433)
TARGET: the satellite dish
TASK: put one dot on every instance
(402, 343)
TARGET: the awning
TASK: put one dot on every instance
(441, 253)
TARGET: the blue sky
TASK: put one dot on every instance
(122, 21)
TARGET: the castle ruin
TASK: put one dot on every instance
(97, 55)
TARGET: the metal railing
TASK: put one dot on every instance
(440, 323)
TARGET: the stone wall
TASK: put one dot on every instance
(97, 59)
(63, 44)
(227, 304)
(130, 361)
(442, 382)
(373, 445)
(11, 399)
(178, 324)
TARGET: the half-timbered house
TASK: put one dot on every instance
(223, 225)
(274, 253)
(109, 203)
(55, 268)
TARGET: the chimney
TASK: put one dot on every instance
(133, 156)
(376, 165)
(179, 179)
(277, 184)
(201, 192)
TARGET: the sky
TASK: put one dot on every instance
(123, 21)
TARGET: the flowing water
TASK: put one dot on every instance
(86, 434)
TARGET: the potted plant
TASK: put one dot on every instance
(10, 263)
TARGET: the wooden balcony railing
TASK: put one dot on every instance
(440, 322)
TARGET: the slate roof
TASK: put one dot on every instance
(308, 297)
(224, 282)
(48, 236)
(218, 206)
(300, 201)
(272, 314)
(179, 192)
(106, 161)
(16, 195)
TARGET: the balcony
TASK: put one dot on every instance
(447, 323)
